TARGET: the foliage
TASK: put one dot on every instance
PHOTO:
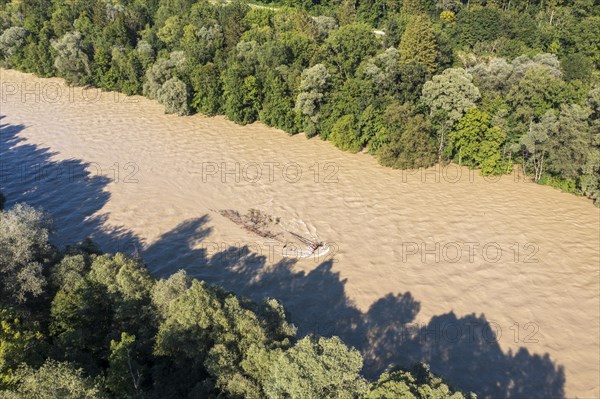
(11, 40)
(314, 368)
(347, 46)
(420, 383)
(477, 143)
(410, 144)
(20, 342)
(71, 62)
(451, 92)
(173, 95)
(24, 250)
(345, 135)
(53, 380)
(418, 44)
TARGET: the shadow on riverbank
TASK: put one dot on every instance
(461, 349)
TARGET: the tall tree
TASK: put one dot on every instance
(24, 249)
(449, 95)
(418, 44)
(346, 47)
(477, 143)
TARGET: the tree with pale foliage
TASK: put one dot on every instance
(314, 83)
(449, 95)
(11, 40)
(568, 146)
(71, 62)
(533, 144)
(451, 92)
(24, 249)
(173, 95)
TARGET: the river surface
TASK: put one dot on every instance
(494, 282)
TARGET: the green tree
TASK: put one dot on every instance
(449, 95)
(20, 342)
(345, 135)
(372, 129)
(590, 180)
(410, 143)
(124, 375)
(316, 368)
(418, 44)
(346, 47)
(170, 33)
(207, 88)
(477, 143)
(539, 91)
(278, 105)
(69, 272)
(125, 72)
(480, 24)
(420, 383)
(577, 66)
(54, 380)
(81, 320)
(242, 95)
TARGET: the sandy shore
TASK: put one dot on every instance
(495, 282)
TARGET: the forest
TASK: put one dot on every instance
(490, 84)
(77, 323)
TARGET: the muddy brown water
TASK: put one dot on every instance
(494, 282)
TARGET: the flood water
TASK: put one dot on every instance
(494, 282)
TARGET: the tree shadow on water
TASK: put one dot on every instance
(464, 350)
(71, 190)
(461, 349)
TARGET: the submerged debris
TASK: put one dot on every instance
(262, 224)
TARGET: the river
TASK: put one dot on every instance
(494, 282)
